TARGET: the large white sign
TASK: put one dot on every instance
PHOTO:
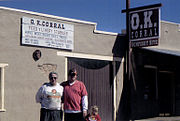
(144, 27)
(47, 33)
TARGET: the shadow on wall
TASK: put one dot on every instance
(119, 50)
(119, 47)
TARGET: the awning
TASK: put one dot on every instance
(164, 51)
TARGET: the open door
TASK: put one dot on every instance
(166, 93)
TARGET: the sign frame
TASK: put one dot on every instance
(45, 33)
(142, 21)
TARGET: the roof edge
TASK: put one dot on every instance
(61, 18)
(169, 22)
(50, 16)
(104, 32)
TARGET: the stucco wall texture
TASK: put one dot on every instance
(24, 76)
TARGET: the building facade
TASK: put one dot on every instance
(34, 44)
(155, 76)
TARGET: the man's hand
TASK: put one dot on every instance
(84, 114)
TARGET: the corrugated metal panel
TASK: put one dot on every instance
(96, 75)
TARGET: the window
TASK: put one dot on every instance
(2, 67)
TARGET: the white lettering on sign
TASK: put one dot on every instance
(45, 33)
(144, 43)
(135, 21)
(144, 25)
(147, 19)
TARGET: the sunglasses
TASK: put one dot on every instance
(53, 78)
(73, 74)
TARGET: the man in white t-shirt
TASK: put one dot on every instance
(49, 96)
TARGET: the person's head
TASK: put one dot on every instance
(53, 78)
(72, 74)
(94, 110)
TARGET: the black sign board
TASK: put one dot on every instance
(144, 27)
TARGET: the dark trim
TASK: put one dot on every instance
(141, 8)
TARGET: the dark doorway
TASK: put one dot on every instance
(166, 93)
(150, 91)
(97, 76)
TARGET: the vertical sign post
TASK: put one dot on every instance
(127, 60)
(142, 30)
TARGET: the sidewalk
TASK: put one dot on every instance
(161, 119)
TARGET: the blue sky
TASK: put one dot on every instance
(106, 13)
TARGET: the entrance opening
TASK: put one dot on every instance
(97, 77)
(166, 92)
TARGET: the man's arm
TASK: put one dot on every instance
(85, 105)
(39, 95)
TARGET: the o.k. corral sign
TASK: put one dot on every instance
(144, 27)
(44, 33)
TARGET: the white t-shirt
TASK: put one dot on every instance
(50, 96)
